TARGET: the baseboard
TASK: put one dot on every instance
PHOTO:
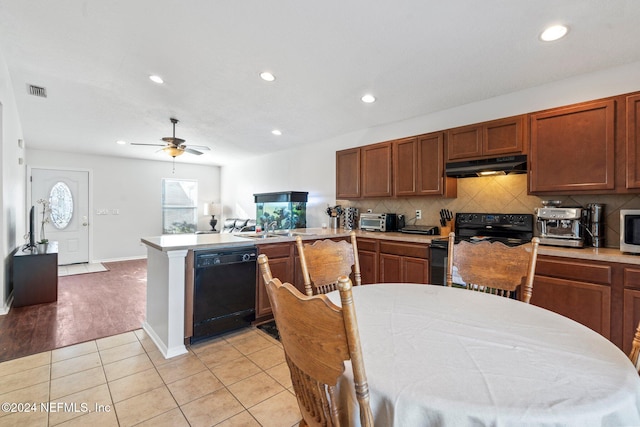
(120, 259)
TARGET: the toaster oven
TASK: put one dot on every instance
(378, 222)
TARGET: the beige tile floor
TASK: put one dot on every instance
(238, 379)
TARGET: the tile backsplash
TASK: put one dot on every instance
(498, 194)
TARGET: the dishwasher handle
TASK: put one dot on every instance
(213, 259)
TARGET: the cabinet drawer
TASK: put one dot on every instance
(414, 250)
(367, 245)
(574, 270)
(280, 250)
(631, 277)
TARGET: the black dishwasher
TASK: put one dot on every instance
(225, 290)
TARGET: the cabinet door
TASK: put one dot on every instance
(281, 268)
(415, 270)
(431, 179)
(503, 136)
(368, 267)
(390, 268)
(572, 149)
(348, 174)
(631, 317)
(376, 170)
(405, 166)
(633, 141)
(464, 142)
(586, 303)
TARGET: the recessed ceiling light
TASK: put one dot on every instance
(554, 32)
(156, 79)
(267, 76)
(121, 142)
(368, 98)
(276, 132)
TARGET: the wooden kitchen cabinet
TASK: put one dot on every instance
(368, 256)
(377, 170)
(573, 149)
(418, 167)
(348, 174)
(403, 262)
(631, 305)
(579, 290)
(633, 141)
(490, 139)
(281, 263)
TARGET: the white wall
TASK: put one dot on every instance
(311, 167)
(134, 188)
(12, 181)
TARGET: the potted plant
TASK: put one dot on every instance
(43, 242)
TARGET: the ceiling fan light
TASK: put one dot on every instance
(173, 151)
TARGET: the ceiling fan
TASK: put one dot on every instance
(176, 146)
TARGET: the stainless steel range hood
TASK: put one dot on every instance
(486, 167)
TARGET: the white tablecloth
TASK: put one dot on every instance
(439, 356)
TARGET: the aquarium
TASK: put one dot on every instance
(281, 211)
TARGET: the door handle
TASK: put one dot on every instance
(84, 221)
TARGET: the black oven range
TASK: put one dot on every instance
(510, 229)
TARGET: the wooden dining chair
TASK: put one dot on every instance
(494, 267)
(324, 260)
(635, 349)
(317, 337)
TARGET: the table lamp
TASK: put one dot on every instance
(212, 209)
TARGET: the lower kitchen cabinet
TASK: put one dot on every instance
(403, 262)
(368, 257)
(631, 305)
(281, 263)
(579, 290)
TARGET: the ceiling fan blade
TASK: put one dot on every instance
(200, 147)
(140, 143)
(191, 151)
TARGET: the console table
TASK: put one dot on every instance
(35, 276)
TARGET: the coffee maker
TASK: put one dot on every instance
(559, 226)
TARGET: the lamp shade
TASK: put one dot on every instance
(212, 208)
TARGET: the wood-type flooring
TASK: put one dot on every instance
(89, 307)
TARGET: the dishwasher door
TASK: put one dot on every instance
(225, 291)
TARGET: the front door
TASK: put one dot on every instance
(67, 221)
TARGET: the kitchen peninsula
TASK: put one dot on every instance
(170, 268)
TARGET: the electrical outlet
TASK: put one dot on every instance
(418, 214)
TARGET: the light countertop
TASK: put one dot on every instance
(172, 242)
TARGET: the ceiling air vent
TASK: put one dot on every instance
(38, 91)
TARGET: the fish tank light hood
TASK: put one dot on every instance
(283, 210)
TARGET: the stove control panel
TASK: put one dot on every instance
(520, 222)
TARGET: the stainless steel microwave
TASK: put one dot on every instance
(630, 230)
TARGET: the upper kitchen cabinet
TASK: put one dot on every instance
(364, 172)
(377, 171)
(490, 139)
(418, 165)
(348, 173)
(573, 149)
(633, 141)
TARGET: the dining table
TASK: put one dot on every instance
(445, 356)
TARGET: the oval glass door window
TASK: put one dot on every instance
(61, 204)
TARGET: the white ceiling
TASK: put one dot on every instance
(416, 56)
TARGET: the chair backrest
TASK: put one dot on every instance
(493, 267)
(324, 260)
(635, 349)
(317, 337)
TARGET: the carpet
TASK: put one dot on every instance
(271, 329)
(73, 269)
